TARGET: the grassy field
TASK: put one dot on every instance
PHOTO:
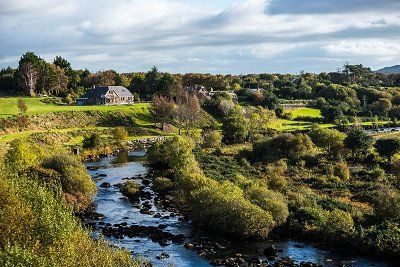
(8, 107)
(292, 125)
(304, 112)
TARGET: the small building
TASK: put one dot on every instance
(107, 95)
(255, 90)
(199, 90)
(231, 93)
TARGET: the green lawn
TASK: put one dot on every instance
(304, 112)
(8, 107)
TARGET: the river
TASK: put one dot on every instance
(119, 211)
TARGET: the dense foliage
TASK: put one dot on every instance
(38, 227)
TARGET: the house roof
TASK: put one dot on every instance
(100, 91)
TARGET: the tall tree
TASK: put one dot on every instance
(188, 111)
(162, 108)
(28, 77)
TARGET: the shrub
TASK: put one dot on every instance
(358, 141)
(276, 175)
(383, 239)
(92, 141)
(386, 203)
(162, 185)
(120, 134)
(39, 229)
(270, 201)
(339, 225)
(23, 155)
(223, 209)
(71, 174)
(387, 147)
(175, 153)
(307, 220)
(342, 171)
(285, 145)
(131, 190)
(212, 139)
(329, 139)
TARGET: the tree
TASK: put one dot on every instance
(260, 120)
(7, 80)
(137, 84)
(188, 110)
(27, 78)
(211, 139)
(151, 81)
(235, 128)
(56, 81)
(329, 139)
(387, 147)
(22, 106)
(331, 113)
(62, 63)
(358, 141)
(381, 106)
(162, 108)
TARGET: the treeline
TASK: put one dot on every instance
(356, 86)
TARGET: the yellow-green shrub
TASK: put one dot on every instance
(71, 174)
(270, 201)
(223, 208)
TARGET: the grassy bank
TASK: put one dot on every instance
(42, 105)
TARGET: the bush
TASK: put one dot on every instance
(212, 139)
(38, 229)
(223, 209)
(131, 190)
(329, 139)
(384, 239)
(285, 145)
(386, 203)
(270, 201)
(175, 153)
(358, 141)
(307, 220)
(92, 141)
(23, 155)
(387, 147)
(342, 171)
(276, 175)
(339, 225)
(70, 173)
(120, 134)
(162, 185)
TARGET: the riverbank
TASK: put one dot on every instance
(155, 229)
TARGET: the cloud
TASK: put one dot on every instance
(331, 6)
(384, 51)
(193, 35)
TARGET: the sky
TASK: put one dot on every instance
(208, 36)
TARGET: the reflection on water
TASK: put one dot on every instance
(117, 209)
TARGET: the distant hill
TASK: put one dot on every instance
(389, 70)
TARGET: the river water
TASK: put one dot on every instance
(117, 209)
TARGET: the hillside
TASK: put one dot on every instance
(390, 70)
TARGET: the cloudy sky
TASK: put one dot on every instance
(217, 36)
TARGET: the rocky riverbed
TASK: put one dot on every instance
(153, 228)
